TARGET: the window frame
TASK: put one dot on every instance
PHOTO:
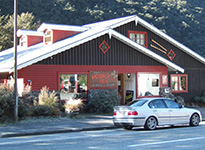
(178, 83)
(139, 32)
(23, 41)
(48, 37)
(76, 81)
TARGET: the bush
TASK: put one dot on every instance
(42, 110)
(47, 104)
(200, 100)
(25, 102)
(48, 98)
(6, 103)
(73, 105)
(103, 101)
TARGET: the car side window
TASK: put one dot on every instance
(158, 103)
(171, 104)
(151, 105)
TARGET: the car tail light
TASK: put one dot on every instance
(114, 113)
(132, 113)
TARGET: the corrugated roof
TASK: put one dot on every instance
(112, 23)
(48, 26)
(38, 52)
(29, 32)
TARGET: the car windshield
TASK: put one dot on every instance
(137, 103)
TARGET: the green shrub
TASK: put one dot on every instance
(197, 99)
(25, 102)
(103, 101)
(6, 103)
(42, 110)
(200, 99)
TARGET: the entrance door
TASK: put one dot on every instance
(121, 88)
(148, 84)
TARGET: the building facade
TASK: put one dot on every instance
(126, 53)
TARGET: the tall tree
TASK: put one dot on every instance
(24, 21)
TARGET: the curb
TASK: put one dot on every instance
(58, 131)
(61, 131)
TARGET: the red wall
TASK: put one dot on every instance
(60, 34)
(34, 40)
(41, 75)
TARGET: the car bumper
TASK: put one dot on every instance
(136, 121)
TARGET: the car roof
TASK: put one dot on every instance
(151, 98)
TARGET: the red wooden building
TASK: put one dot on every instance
(126, 53)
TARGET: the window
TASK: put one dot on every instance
(148, 84)
(139, 37)
(157, 104)
(179, 83)
(73, 86)
(171, 103)
(23, 41)
(47, 37)
(137, 103)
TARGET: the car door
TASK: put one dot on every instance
(177, 115)
(160, 110)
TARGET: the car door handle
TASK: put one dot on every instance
(154, 110)
(170, 110)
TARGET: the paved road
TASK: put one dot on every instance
(177, 138)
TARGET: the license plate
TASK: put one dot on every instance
(121, 114)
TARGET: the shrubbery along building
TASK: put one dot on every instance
(127, 54)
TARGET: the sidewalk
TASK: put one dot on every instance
(83, 122)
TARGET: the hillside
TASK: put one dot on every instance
(181, 19)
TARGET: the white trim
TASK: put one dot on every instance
(171, 40)
(29, 32)
(113, 23)
(123, 22)
(61, 27)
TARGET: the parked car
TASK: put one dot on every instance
(153, 112)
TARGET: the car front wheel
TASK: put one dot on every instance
(194, 120)
(151, 123)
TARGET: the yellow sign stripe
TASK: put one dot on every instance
(159, 45)
(158, 49)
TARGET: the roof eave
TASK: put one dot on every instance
(29, 32)
(45, 26)
(171, 40)
(61, 48)
(113, 33)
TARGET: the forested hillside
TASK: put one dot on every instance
(184, 20)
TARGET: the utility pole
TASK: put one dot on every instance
(15, 63)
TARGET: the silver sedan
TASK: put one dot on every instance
(153, 112)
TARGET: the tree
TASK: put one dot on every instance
(3, 39)
(24, 21)
(168, 15)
